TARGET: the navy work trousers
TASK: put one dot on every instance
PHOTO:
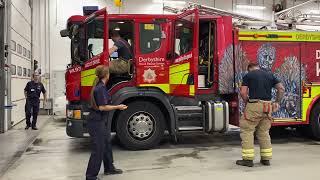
(32, 108)
(101, 148)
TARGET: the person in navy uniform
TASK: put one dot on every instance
(32, 93)
(100, 134)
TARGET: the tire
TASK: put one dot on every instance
(134, 124)
(314, 125)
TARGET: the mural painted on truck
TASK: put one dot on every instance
(280, 58)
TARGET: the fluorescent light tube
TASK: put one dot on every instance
(169, 2)
(250, 7)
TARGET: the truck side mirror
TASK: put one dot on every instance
(64, 33)
(169, 56)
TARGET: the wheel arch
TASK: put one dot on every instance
(150, 94)
(314, 102)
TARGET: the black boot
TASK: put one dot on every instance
(27, 127)
(112, 171)
(34, 128)
(248, 163)
(265, 162)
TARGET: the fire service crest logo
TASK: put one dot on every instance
(149, 76)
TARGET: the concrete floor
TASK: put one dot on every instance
(55, 156)
(14, 142)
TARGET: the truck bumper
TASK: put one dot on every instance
(76, 128)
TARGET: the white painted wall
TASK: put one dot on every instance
(59, 100)
(141, 7)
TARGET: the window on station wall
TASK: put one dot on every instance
(29, 72)
(24, 52)
(24, 72)
(19, 49)
(150, 37)
(13, 70)
(13, 45)
(29, 54)
(19, 71)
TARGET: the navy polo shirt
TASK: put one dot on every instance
(101, 95)
(101, 98)
(260, 84)
(124, 49)
(34, 90)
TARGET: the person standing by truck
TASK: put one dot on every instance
(100, 135)
(256, 94)
(32, 93)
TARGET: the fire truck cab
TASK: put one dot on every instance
(172, 84)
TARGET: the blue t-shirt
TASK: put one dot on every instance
(260, 84)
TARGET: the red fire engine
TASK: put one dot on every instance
(185, 74)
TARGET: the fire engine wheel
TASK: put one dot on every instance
(315, 121)
(141, 126)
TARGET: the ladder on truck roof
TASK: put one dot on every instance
(282, 19)
(203, 10)
(294, 15)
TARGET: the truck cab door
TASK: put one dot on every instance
(94, 23)
(151, 47)
(183, 71)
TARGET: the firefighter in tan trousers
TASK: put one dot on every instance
(256, 93)
(121, 65)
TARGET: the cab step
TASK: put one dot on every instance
(189, 118)
(190, 128)
(209, 117)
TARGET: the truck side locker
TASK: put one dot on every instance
(216, 118)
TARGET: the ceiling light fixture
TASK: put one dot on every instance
(239, 6)
(120, 22)
(117, 29)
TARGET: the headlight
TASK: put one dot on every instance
(70, 113)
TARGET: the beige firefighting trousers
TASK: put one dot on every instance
(119, 66)
(256, 118)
